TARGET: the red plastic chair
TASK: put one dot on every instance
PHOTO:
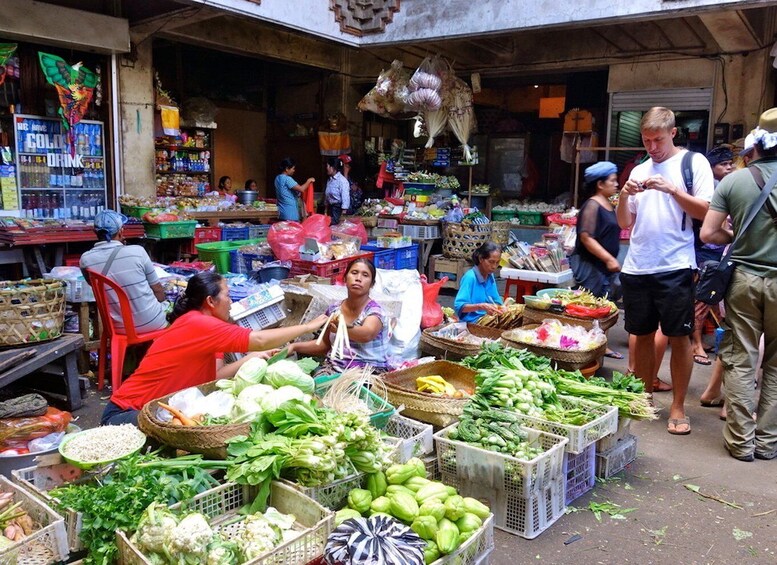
(119, 341)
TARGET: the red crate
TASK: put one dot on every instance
(330, 269)
(72, 260)
(202, 235)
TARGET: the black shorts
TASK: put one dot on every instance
(663, 298)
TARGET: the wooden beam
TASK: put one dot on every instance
(731, 30)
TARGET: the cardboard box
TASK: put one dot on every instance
(454, 269)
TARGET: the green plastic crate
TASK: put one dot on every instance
(531, 218)
(503, 215)
(135, 211)
(171, 230)
(380, 410)
(218, 252)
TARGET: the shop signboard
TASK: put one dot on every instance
(53, 180)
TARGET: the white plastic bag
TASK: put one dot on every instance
(404, 286)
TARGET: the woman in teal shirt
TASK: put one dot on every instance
(477, 294)
(289, 192)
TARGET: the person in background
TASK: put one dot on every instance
(751, 299)
(357, 196)
(225, 189)
(250, 185)
(595, 259)
(131, 267)
(721, 161)
(338, 191)
(478, 295)
(289, 192)
(367, 324)
(657, 275)
(186, 355)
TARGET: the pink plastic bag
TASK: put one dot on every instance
(432, 311)
(285, 239)
(352, 227)
(317, 227)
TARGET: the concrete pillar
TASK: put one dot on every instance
(136, 84)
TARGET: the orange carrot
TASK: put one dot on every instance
(185, 420)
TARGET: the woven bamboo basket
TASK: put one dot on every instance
(424, 407)
(500, 232)
(454, 350)
(535, 316)
(31, 311)
(366, 221)
(412, 222)
(460, 241)
(564, 358)
(211, 441)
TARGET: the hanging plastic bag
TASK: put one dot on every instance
(432, 311)
(26, 429)
(317, 227)
(285, 239)
(388, 96)
(353, 228)
(424, 86)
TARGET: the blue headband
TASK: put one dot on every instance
(602, 169)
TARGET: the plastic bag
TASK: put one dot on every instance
(352, 227)
(26, 429)
(285, 239)
(46, 443)
(388, 96)
(432, 311)
(317, 227)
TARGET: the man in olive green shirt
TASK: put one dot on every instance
(751, 300)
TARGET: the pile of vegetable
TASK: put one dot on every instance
(581, 303)
(118, 499)
(15, 523)
(555, 334)
(495, 430)
(434, 511)
(167, 538)
(438, 386)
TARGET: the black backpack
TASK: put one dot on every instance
(687, 168)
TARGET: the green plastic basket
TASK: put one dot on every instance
(380, 410)
(503, 215)
(135, 211)
(171, 230)
(531, 218)
(217, 252)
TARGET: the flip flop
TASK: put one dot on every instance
(675, 423)
(702, 360)
(614, 355)
(661, 386)
(714, 403)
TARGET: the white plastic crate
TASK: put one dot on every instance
(579, 473)
(48, 543)
(563, 277)
(610, 441)
(476, 550)
(270, 294)
(492, 470)
(432, 468)
(421, 232)
(263, 318)
(615, 460)
(43, 478)
(410, 438)
(334, 495)
(580, 437)
(221, 504)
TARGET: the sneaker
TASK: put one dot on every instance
(765, 456)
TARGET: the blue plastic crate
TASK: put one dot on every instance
(383, 258)
(258, 231)
(229, 233)
(406, 257)
(236, 263)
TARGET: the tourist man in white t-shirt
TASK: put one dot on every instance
(657, 275)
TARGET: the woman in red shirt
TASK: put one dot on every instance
(186, 354)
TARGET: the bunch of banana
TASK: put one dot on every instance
(435, 384)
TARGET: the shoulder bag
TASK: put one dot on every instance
(715, 276)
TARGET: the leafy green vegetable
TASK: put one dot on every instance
(288, 373)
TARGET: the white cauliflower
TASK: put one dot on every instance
(258, 536)
(223, 552)
(155, 522)
(188, 541)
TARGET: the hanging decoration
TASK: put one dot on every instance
(75, 87)
(6, 50)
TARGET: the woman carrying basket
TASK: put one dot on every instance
(478, 294)
(187, 353)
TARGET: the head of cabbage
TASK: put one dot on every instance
(287, 372)
(250, 373)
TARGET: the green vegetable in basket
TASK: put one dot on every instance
(398, 474)
(433, 508)
(345, 514)
(288, 373)
(425, 526)
(360, 500)
(223, 552)
(447, 537)
(431, 553)
(468, 523)
(364, 461)
(420, 466)
(403, 507)
(393, 489)
(474, 506)
(432, 491)
(415, 483)
(454, 508)
(376, 484)
(381, 505)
